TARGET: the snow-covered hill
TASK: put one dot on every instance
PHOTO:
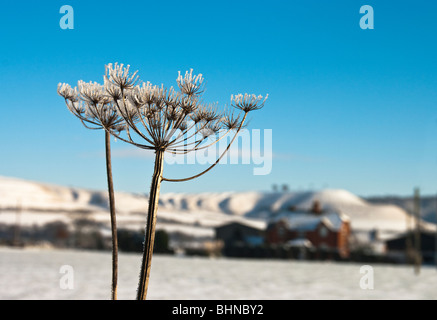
(194, 214)
(428, 204)
(388, 219)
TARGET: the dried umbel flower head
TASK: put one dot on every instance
(248, 102)
(92, 105)
(119, 75)
(189, 84)
(165, 116)
(92, 92)
(161, 118)
(66, 91)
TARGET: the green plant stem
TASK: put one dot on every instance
(149, 238)
(112, 213)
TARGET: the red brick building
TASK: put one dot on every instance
(325, 231)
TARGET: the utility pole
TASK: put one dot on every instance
(17, 230)
(435, 243)
(408, 237)
(417, 255)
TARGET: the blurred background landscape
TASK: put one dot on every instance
(319, 225)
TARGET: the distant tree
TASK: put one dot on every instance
(162, 240)
(130, 240)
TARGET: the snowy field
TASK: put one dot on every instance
(35, 274)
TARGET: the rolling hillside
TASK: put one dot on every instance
(194, 214)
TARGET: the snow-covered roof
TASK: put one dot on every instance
(252, 223)
(306, 221)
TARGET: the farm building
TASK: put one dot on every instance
(323, 231)
(406, 242)
(238, 232)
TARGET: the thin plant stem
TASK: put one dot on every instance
(113, 217)
(215, 163)
(149, 238)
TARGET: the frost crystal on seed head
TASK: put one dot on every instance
(92, 92)
(65, 90)
(118, 74)
(189, 84)
(248, 102)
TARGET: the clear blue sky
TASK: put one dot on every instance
(349, 108)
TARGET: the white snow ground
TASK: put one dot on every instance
(35, 274)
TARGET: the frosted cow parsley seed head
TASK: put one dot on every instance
(160, 117)
(248, 102)
(66, 91)
(190, 84)
(92, 92)
(119, 75)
